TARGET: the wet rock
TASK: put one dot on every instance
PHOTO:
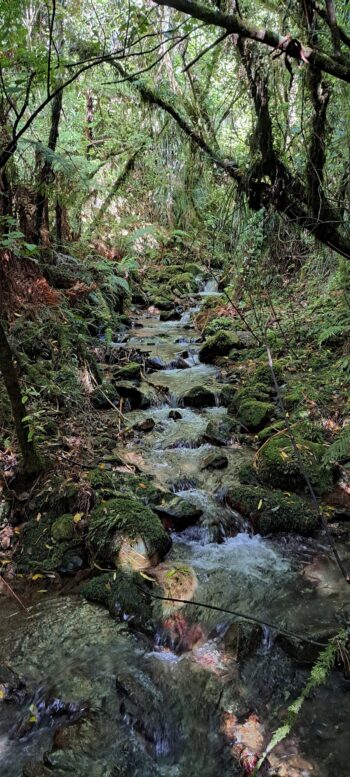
(242, 639)
(163, 303)
(155, 363)
(135, 397)
(215, 460)
(102, 396)
(131, 371)
(177, 513)
(122, 593)
(12, 687)
(175, 415)
(277, 464)
(180, 364)
(218, 433)
(253, 414)
(247, 475)
(170, 315)
(199, 396)
(145, 426)
(218, 324)
(126, 518)
(219, 345)
(305, 653)
(273, 511)
(63, 528)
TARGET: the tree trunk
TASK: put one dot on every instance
(31, 463)
(46, 173)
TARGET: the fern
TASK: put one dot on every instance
(330, 333)
(339, 449)
(318, 675)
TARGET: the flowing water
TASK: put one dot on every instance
(140, 707)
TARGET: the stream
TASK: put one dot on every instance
(137, 709)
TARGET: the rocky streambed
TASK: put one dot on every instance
(179, 691)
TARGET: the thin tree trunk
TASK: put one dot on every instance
(46, 172)
(31, 463)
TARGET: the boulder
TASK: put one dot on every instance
(199, 396)
(170, 315)
(273, 511)
(277, 465)
(103, 396)
(131, 371)
(135, 397)
(215, 460)
(219, 345)
(218, 433)
(145, 426)
(253, 414)
(175, 415)
(220, 324)
(177, 513)
(126, 520)
(120, 593)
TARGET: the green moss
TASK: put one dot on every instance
(108, 483)
(218, 325)
(258, 391)
(120, 593)
(277, 465)
(270, 431)
(63, 528)
(218, 345)
(182, 281)
(263, 374)
(131, 371)
(130, 518)
(199, 396)
(247, 475)
(253, 414)
(273, 511)
(38, 551)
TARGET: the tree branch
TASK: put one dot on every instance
(234, 24)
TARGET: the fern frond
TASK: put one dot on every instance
(340, 448)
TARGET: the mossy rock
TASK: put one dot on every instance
(108, 484)
(256, 391)
(102, 396)
(199, 396)
(163, 303)
(121, 518)
(135, 397)
(273, 511)
(120, 593)
(183, 281)
(247, 475)
(277, 465)
(263, 374)
(227, 393)
(63, 528)
(218, 325)
(177, 513)
(270, 431)
(170, 315)
(131, 371)
(38, 550)
(219, 345)
(253, 414)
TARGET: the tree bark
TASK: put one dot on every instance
(31, 462)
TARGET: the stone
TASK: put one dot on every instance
(305, 653)
(273, 511)
(135, 397)
(219, 345)
(145, 426)
(177, 513)
(120, 593)
(155, 363)
(199, 396)
(131, 371)
(104, 396)
(170, 315)
(242, 639)
(277, 465)
(126, 518)
(218, 433)
(253, 414)
(175, 415)
(215, 460)
(63, 528)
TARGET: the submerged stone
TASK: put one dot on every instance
(121, 593)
